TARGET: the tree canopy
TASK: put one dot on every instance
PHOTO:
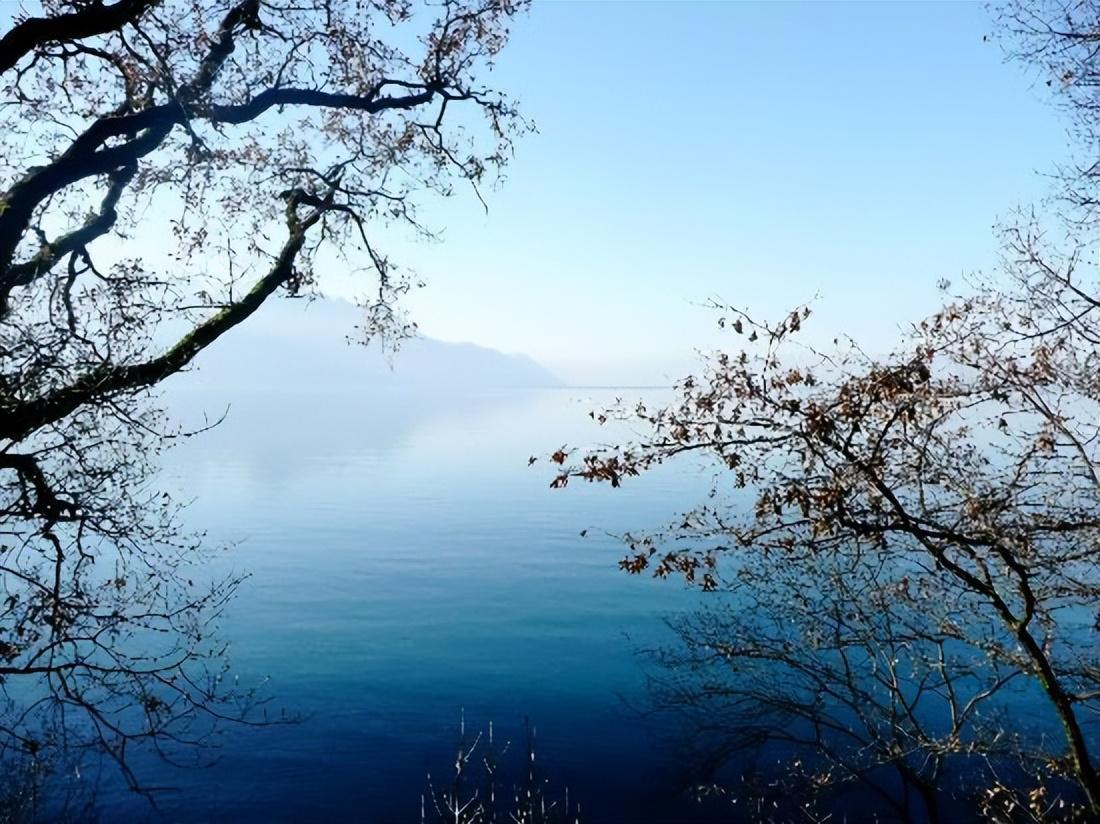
(167, 167)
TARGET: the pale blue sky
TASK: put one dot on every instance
(763, 153)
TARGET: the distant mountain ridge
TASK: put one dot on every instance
(295, 343)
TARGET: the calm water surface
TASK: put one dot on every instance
(408, 567)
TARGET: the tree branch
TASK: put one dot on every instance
(23, 419)
(35, 32)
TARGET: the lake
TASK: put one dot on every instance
(409, 569)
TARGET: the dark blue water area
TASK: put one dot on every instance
(408, 568)
(408, 572)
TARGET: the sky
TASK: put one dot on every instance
(762, 153)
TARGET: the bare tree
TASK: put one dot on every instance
(820, 683)
(911, 529)
(167, 167)
(964, 472)
(1060, 41)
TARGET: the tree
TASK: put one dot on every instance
(956, 483)
(811, 688)
(931, 518)
(167, 167)
(1058, 40)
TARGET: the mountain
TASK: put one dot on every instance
(306, 344)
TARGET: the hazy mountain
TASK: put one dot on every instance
(299, 344)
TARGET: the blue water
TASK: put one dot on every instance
(408, 568)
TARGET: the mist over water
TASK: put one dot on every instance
(408, 567)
